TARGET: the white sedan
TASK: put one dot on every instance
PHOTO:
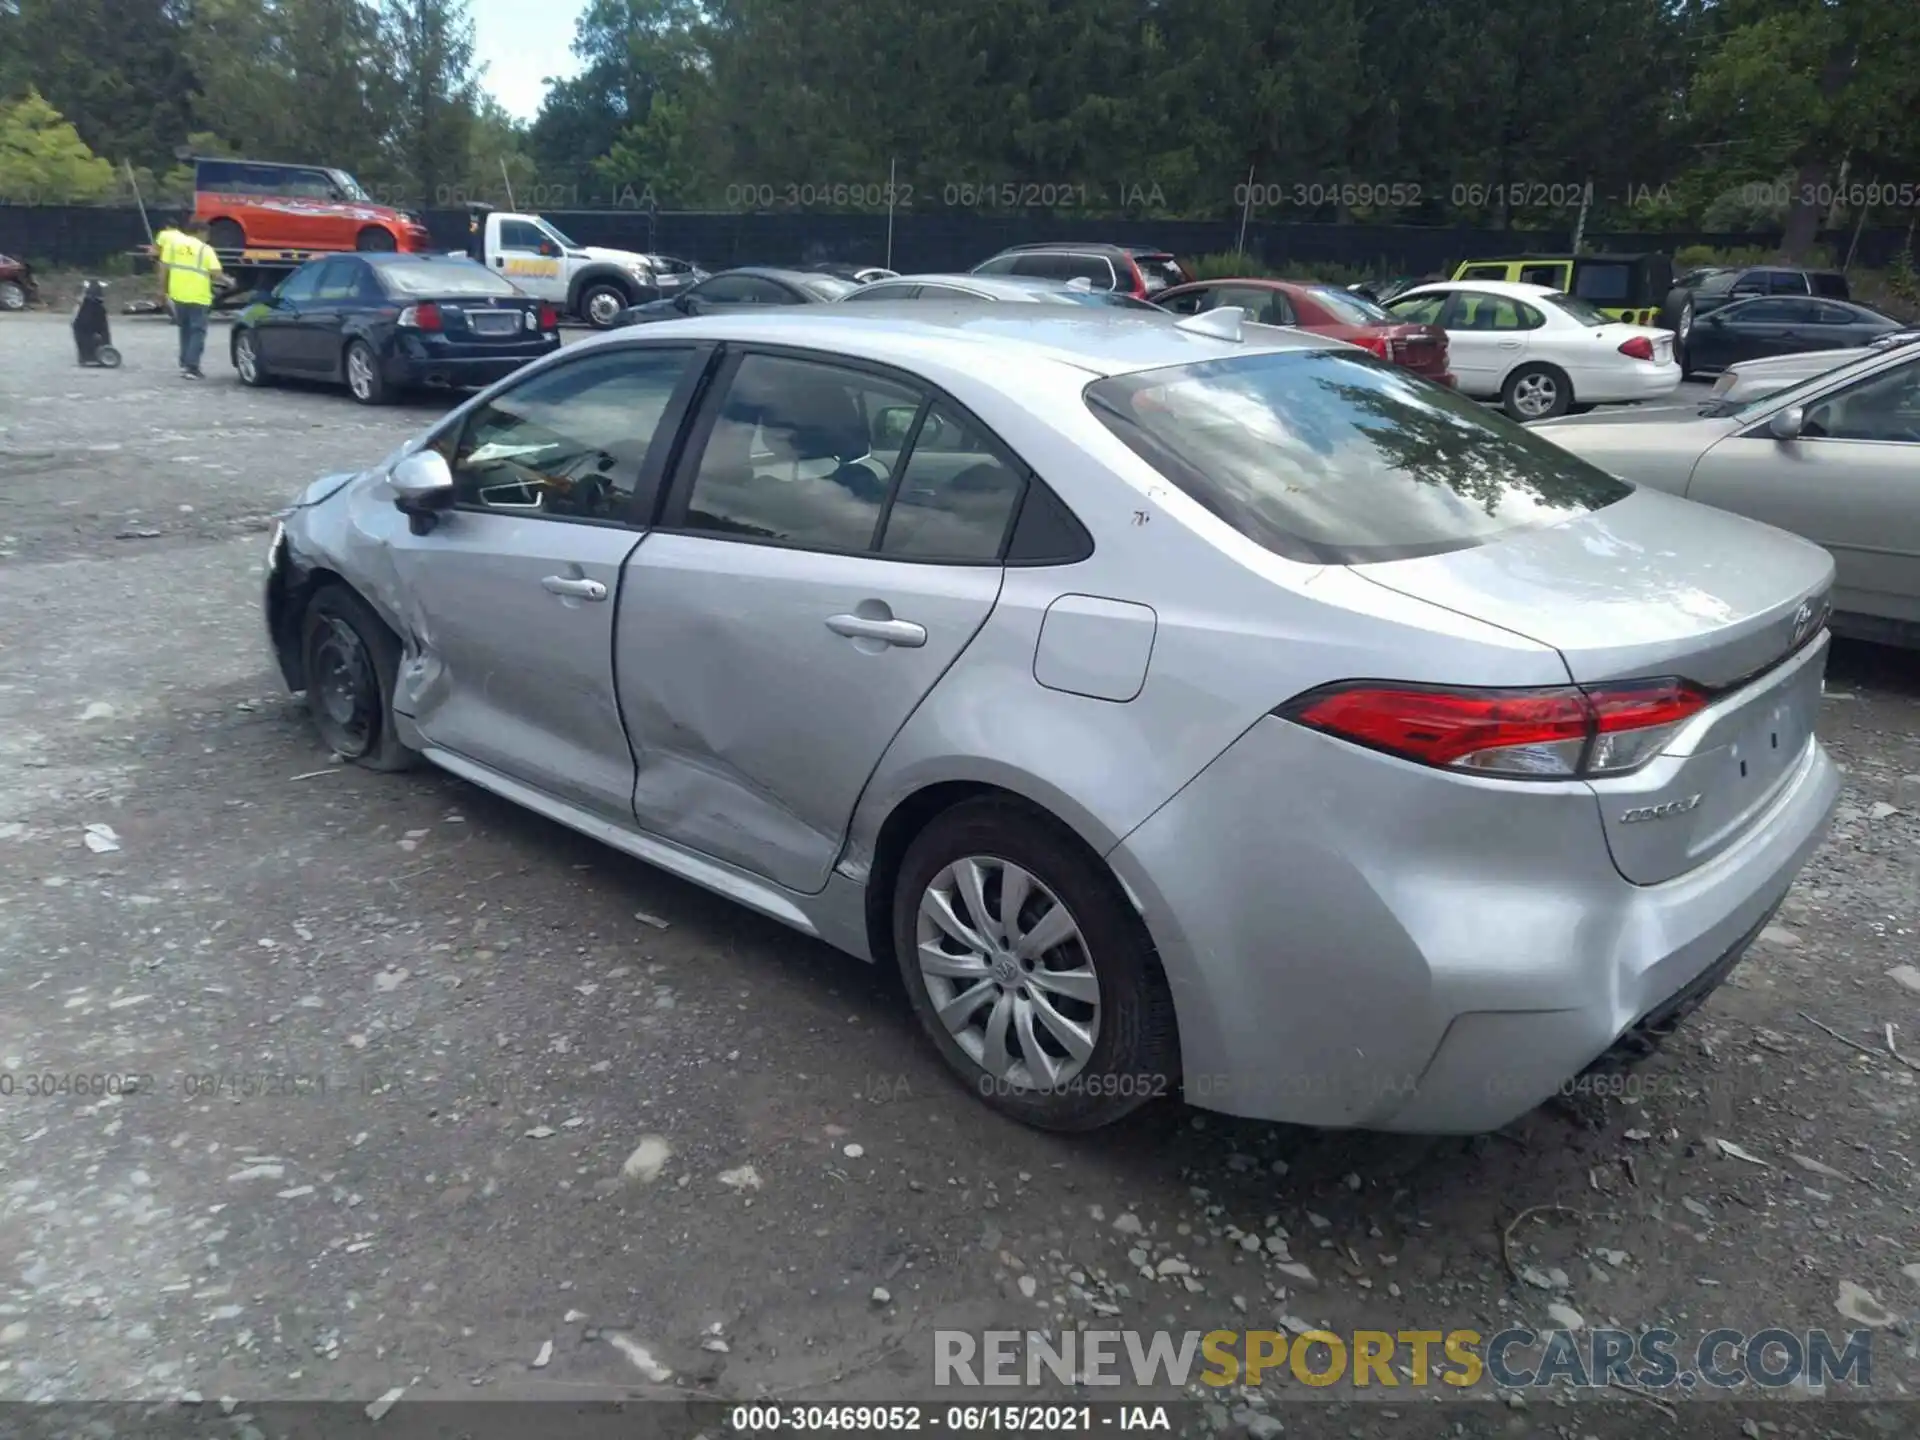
(1541, 352)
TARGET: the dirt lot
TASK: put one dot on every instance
(403, 1044)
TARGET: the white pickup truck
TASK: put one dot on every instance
(586, 281)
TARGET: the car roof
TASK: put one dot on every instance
(1097, 340)
(775, 272)
(1084, 247)
(1512, 289)
(1584, 258)
(1011, 285)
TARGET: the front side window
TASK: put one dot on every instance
(1885, 408)
(309, 185)
(303, 282)
(519, 235)
(1419, 309)
(957, 495)
(339, 280)
(570, 442)
(1786, 282)
(1263, 306)
(792, 455)
(1332, 457)
(1473, 310)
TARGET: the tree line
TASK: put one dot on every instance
(1719, 115)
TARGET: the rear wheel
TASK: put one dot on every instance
(13, 295)
(1030, 971)
(108, 356)
(1677, 315)
(351, 661)
(246, 359)
(601, 304)
(364, 379)
(226, 235)
(374, 238)
(1536, 392)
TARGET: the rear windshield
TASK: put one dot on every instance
(1582, 312)
(828, 287)
(1831, 287)
(1335, 458)
(1610, 284)
(429, 279)
(1160, 271)
(1352, 309)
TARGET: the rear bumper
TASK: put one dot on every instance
(1620, 385)
(414, 362)
(1353, 941)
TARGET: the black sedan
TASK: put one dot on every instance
(1780, 325)
(750, 285)
(380, 323)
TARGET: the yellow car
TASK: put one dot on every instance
(1637, 289)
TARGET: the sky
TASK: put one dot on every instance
(522, 42)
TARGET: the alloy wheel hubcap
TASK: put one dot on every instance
(603, 307)
(1535, 394)
(343, 682)
(359, 374)
(243, 358)
(1008, 972)
(12, 297)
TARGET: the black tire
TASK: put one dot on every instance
(1518, 397)
(1677, 315)
(351, 659)
(13, 295)
(226, 235)
(601, 303)
(361, 367)
(373, 238)
(247, 362)
(1134, 1055)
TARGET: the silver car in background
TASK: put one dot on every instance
(1179, 710)
(1750, 379)
(1835, 458)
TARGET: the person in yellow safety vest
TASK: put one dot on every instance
(166, 237)
(189, 264)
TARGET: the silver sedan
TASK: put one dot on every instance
(1181, 708)
(1751, 379)
(1835, 458)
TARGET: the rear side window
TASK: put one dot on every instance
(1484, 272)
(1831, 287)
(1604, 284)
(1786, 282)
(1338, 459)
(956, 497)
(1159, 271)
(1093, 268)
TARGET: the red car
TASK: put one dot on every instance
(1324, 309)
(16, 283)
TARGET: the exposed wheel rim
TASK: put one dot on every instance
(12, 296)
(604, 307)
(244, 359)
(1535, 395)
(1686, 324)
(1008, 971)
(344, 686)
(359, 373)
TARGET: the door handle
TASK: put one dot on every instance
(578, 589)
(1509, 344)
(889, 632)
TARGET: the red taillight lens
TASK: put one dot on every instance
(1639, 348)
(1561, 733)
(1139, 290)
(549, 318)
(421, 317)
(1381, 345)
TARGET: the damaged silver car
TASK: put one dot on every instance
(1181, 708)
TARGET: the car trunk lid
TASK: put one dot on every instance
(1656, 587)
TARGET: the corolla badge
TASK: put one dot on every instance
(1803, 621)
(1664, 811)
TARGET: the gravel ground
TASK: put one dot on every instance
(434, 1084)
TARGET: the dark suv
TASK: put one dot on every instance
(1135, 270)
(1718, 285)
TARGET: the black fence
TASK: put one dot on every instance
(91, 237)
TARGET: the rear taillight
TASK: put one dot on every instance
(549, 318)
(1381, 345)
(421, 317)
(1638, 348)
(1138, 289)
(1553, 734)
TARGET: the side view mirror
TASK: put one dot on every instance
(1788, 423)
(422, 485)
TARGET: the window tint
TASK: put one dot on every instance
(1420, 310)
(998, 265)
(308, 185)
(339, 280)
(1552, 276)
(1886, 407)
(1191, 303)
(569, 442)
(957, 495)
(1334, 458)
(450, 279)
(1830, 314)
(1787, 282)
(791, 456)
(301, 284)
(1472, 310)
(1603, 284)
(1762, 312)
(519, 235)
(1263, 306)
(1834, 287)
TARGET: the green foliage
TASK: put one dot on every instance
(1700, 257)
(1226, 265)
(43, 160)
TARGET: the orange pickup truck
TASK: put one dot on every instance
(255, 204)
